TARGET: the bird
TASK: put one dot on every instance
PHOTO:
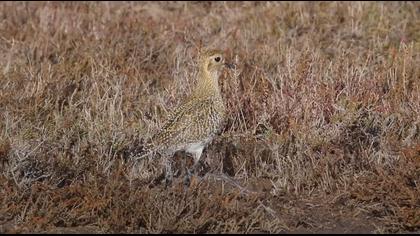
(192, 126)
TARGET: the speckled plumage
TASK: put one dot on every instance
(193, 124)
(195, 121)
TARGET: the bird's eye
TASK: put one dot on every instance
(217, 59)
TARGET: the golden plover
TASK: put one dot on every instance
(192, 125)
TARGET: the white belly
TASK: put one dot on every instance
(194, 147)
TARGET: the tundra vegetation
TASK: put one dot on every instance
(322, 130)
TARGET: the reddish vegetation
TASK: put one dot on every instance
(322, 134)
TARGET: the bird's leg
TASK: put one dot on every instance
(187, 177)
(190, 172)
(186, 171)
(197, 156)
(168, 171)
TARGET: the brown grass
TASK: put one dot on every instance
(322, 132)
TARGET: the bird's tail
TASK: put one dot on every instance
(138, 150)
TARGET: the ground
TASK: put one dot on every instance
(322, 132)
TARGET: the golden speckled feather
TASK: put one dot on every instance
(192, 125)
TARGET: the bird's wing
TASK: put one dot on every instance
(181, 123)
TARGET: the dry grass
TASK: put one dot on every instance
(322, 134)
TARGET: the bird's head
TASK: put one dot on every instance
(213, 61)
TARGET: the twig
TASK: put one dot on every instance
(230, 181)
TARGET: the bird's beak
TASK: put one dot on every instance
(230, 65)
